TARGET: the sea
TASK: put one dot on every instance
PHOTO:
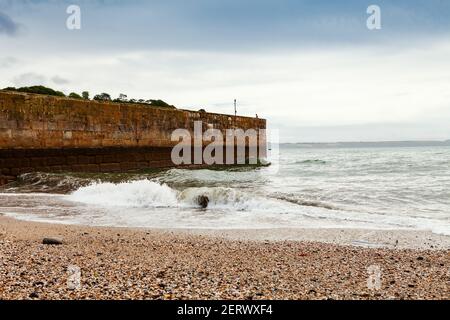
(393, 187)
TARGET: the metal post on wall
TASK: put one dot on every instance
(235, 113)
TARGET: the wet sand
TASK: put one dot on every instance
(118, 263)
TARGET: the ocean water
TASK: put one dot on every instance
(373, 188)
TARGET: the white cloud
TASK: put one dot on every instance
(28, 79)
(60, 80)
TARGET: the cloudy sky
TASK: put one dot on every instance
(312, 68)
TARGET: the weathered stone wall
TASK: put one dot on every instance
(47, 133)
(37, 121)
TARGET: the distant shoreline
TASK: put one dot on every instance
(375, 144)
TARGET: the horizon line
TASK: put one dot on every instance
(377, 141)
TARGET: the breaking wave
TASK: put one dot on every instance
(134, 194)
(224, 198)
(151, 194)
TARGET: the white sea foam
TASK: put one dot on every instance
(140, 194)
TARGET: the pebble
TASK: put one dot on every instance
(52, 241)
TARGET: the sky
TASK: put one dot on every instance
(311, 68)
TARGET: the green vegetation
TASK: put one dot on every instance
(74, 95)
(153, 103)
(160, 103)
(99, 97)
(102, 97)
(37, 90)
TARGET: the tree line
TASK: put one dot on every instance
(86, 96)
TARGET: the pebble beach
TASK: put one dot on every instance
(119, 263)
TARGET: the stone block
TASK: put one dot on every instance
(110, 167)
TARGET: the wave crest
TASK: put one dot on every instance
(221, 198)
(151, 194)
(141, 194)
